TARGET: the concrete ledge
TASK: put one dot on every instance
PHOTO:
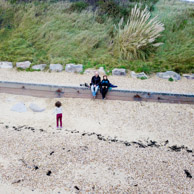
(57, 91)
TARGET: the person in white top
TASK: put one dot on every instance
(59, 114)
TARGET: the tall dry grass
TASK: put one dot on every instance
(138, 36)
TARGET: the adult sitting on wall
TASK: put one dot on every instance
(104, 86)
(95, 82)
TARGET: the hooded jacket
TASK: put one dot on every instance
(95, 80)
(105, 82)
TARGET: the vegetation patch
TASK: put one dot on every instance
(78, 6)
(83, 32)
(171, 79)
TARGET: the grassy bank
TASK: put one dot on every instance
(45, 32)
(177, 52)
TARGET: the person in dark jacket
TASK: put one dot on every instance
(104, 86)
(95, 82)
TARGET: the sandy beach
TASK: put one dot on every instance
(104, 146)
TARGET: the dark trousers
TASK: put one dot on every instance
(104, 92)
(59, 118)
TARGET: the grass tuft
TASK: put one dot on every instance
(137, 37)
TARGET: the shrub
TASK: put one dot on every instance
(137, 38)
(149, 3)
(78, 6)
(143, 78)
(6, 17)
(113, 9)
(144, 68)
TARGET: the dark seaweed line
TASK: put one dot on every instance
(140, 144)
(100, 137)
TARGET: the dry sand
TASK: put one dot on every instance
(78, 158)
(123, 82)
(86, 162)
(126, 120)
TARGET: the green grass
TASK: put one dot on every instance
(177, 51)
(44, 32)
(171, 79)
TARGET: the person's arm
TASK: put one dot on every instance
(99, 80)
(112, 86)
(92, 81)
(100, 84)
(108, 84)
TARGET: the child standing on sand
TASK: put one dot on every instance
(58, 112)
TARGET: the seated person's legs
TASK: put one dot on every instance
(105, 91)
(96, 90)
(93, 90)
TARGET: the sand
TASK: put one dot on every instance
(94, 153)
(123, 82)
(94, 166)
(126, 120)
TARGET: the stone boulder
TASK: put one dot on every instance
(40, 67)
(19, 107)
(120, 72)
(74, 68)
(56, 67)
(36, 108)
(6, 65)
(169, 74)
(23, 65)
(90, 71)
(138, 75)
(101, 70)
(188, 76)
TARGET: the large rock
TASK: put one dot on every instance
(101, 70)
(169, 74)
(74, 68)
(40, 67)
(92, 71)
(119, 72)
(6, 65)
(19, 107)
(23, 65)
(138, 75)
(56, 67)
(36, 108)
(188, 76)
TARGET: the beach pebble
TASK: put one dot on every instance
(48, 173)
